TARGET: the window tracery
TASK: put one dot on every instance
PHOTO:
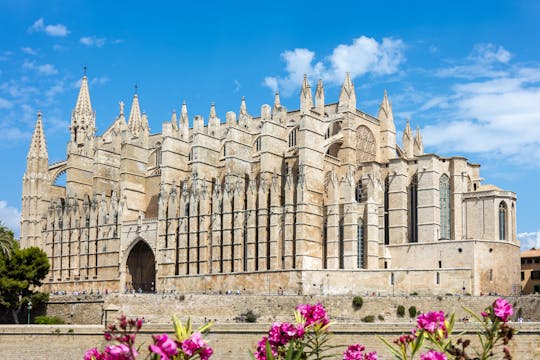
(444, 202)
(366, 149)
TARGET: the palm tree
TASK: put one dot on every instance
(6, 240)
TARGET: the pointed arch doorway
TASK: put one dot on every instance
(141, 268)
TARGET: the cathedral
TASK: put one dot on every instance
(319, 200)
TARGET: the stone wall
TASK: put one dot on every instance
(158, 308)
(230, 341)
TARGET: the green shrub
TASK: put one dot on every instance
(412, 311)
(249, 316)
(414, 293)
(368, 319)
(380, 317)
(401, 311)
(48, 320)
(357, 302)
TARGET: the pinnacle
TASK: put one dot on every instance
(38, 146)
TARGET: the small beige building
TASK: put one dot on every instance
(530, 271)
(319, 200)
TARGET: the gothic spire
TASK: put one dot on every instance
(174, 120)
(38, 146)
(408, 141)
(83, 105)
(418, 143)
(306, 99)
(277, 102)
(347, 96)
(184, 121)
(135, 121)
(213, 111)
(385, 109)
(243, 107)
(319, 97)
(213, 120)
(83, 122)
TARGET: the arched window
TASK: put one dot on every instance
(413, 210)
(190, 156)
(360, 262)
(502, 221)
(292, 137)
(258, 144)
(158, 154)
(386, 213)
(444, 202)
(358, 192)
(341, 243)
(366, 149)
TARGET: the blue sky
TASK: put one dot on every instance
(467, 73)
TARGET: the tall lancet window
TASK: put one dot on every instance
(444, 202)
(386, 213)
(292, 137)
(358, 192)
(158, 154)
(413, 210)
(502, 221)
(360, 262)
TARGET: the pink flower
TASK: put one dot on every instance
(260, 353)
(281, 333)
(163, 346)
(484, 314)
(313, 313)
(206, 353)
(93, 354)
(195, 343)
(118, 352)
(502, 309)
(431, 321)
(356, 352)
(433, 355)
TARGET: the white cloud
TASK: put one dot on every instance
(494, 112)
(364, 55)
(490, 53)
(5, 104)
(237, 86)
(51, 30)
(10, 216)
(485, 61)
(28, 50)
(529, 240)
(98, 80)
(92, 41)
(45, 69)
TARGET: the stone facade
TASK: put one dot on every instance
(320, 200)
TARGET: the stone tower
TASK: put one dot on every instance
(36, 183)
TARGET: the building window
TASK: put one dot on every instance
(341, 240)
(522, 276)
(386, 214)
(158, 154)
(190, 156)
(438, 278)
(358, 192)
(444, 201)
(360, 263)
(258, 144)
(502, 221)
(366, 147)
(535, 275)
(413, 210)
(292, 137)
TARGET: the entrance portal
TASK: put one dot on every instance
(141, 275)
